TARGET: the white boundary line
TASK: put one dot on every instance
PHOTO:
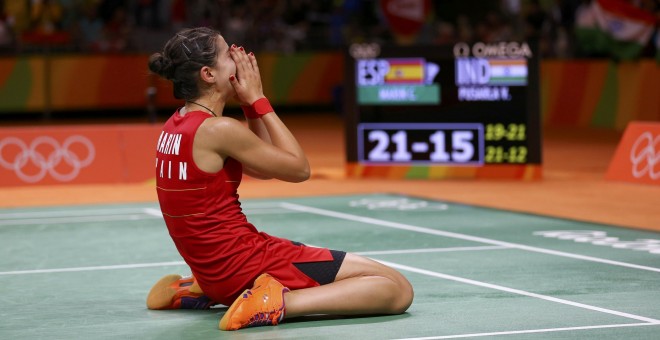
(428, 250)
(401, 226)
(517, 291)
(94, 268)
(249, 210)
(85, 216)
(74, 219)
(178, 263)
(110, 211)
(153, 212)
(70, 213)
(530, 331)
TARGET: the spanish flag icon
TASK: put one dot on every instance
(405, 71)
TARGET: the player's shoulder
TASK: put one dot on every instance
(219, 127)
(221, 124)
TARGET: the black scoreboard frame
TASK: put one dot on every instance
(510, 133)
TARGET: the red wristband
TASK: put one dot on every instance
(257, 109)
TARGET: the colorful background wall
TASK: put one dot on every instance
(596, 93)
(599, 93)
(87, 82)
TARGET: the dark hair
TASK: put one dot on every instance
(183, 56)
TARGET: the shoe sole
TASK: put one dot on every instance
(160, 295)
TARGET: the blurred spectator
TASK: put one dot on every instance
(464, 28)
(294, 25)
(445, 33)
(295, 18)
(17, 16)
(6, 33)
(115, 32)
(535, 20)
(178, 14)
(537, 26)
(237, 25)
(45, 16)
(147, 11)
(45, 28)
(90, 28)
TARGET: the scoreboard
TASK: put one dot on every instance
(463, 110)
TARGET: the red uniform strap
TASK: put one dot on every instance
(257, 109)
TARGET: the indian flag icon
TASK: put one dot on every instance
(511, 72)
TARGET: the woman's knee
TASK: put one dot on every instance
(405, 295)
(401, 291)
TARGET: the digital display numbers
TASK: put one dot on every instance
(441, 143)
(421, 143)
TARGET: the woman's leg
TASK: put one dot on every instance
(362, 286)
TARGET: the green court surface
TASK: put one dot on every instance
(84, 272)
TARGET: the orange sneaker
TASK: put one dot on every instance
(261, 305)
(176, 292)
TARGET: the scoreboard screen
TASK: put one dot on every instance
(463, 110)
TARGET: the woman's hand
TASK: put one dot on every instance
(247, 80)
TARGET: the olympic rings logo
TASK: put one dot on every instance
(644, 155)
(47, 164)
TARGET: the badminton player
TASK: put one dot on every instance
(201, 156)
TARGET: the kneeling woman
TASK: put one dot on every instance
(201, 157)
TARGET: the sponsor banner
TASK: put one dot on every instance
(77, 154)
(637, 158)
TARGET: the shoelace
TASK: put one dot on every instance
(260, 319)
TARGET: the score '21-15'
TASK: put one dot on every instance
(462, 146)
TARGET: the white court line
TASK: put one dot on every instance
(517, 291)
(70, 213)
(178, 263)
(60, 217)
(428, 250)
(74, 219)
(153, 212)
(401, 226)
(119, 211)
(393, 265)
(530, 331)
(260, 205)
(249, 211)
(94, 268)
(261, 211)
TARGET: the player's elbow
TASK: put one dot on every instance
(302, 174)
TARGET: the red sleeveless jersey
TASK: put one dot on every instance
(205, 220)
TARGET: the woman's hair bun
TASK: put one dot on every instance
(161, 65)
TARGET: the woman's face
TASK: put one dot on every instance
(224, 67)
